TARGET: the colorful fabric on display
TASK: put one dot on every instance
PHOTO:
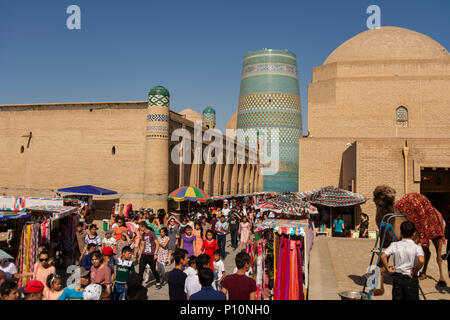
(300, 262)
(284, 226)
(7, 215)
(189, 193)
(427, 220)
(332, 197)
(260, 270)
(289, 280)
(57, 212)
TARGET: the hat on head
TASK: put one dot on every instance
(92, 292)
(108, 251)
(108, 232)
(34, 286)
(82, 272)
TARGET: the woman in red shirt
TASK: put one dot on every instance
(209, 246)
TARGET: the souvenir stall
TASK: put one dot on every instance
(288, 206)
(28, 229)
(280, 256)
(40, 229)
(332, 197)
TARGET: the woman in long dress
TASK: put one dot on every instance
(244, 231)
(209, 246)
(198, 233)
(188, 241)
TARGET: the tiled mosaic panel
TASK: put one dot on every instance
(158, 100)
(285, 135)
(209, 116)
(269, 68)
(269, 101)
(157, 128)
(276, 118)
(158, 117)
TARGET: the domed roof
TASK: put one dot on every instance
(159, 91)
(388, 43)
(209, 110)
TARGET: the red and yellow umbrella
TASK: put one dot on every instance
(189, 193)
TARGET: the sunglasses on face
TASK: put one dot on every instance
(42, 260)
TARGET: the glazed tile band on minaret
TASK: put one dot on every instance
(269, 99)
(156, 174)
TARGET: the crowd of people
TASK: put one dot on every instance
(117, 265)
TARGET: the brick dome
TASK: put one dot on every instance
(388, 43)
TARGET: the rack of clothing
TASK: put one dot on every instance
(282, 258)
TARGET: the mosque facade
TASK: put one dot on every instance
(379, 113)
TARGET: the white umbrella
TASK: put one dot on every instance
(4, 255)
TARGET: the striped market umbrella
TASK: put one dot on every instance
(332, 197)
(189, 193)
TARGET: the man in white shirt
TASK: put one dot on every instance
(225, 210)
(408, 260)
(192, 284)
(8, 268)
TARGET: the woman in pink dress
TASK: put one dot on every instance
(198, 233)
(244, 231)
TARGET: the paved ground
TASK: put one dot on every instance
(337, 265)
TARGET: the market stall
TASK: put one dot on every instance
(34, 224)
(282, 249)
(332, 197)
(288, 205)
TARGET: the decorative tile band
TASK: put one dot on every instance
(158, 117)
(209, 116)
(158, 100)
(279, 68)
(269, 100)
(157, 128)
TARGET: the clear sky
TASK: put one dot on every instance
(193, 48)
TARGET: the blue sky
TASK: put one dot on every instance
(194, 48)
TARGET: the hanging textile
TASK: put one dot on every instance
(45, 232)
(301, 288)
(260, 271)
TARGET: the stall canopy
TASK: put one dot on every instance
(88, 190)
(189, 194)
(332, 197)
(288, 204)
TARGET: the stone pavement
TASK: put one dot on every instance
(337, 265)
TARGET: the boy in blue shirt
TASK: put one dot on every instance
(86, 262)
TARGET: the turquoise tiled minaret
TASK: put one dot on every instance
(270, 98)
(209, 117)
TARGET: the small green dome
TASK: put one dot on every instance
(209, 110)
(159, 91)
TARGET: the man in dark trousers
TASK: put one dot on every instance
(146, 254)
(408, 260)
(234, 227)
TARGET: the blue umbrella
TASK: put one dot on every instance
(88, 190)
